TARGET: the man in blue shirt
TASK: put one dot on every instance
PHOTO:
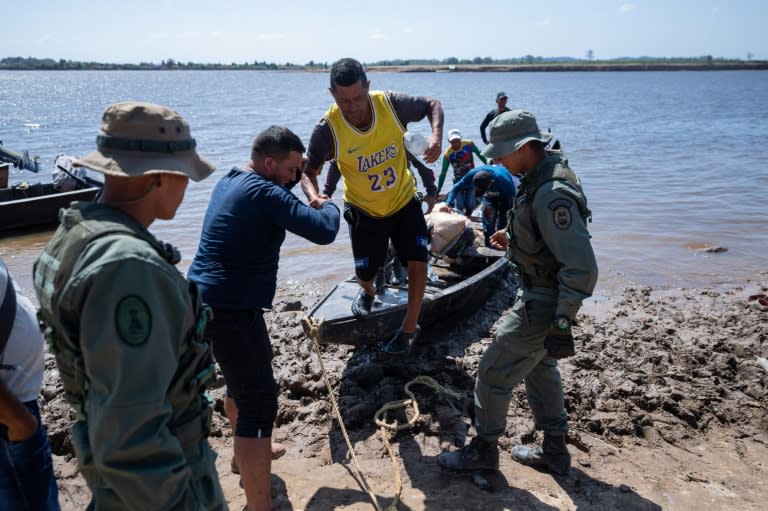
(236, 271)
(497, 188)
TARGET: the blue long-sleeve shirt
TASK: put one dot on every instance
(244, 227)
(503, 183)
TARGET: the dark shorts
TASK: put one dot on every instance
(370, 237)
(243, 350)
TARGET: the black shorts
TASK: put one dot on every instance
(243, 350)
(370, 237)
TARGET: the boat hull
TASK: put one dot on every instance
(330, 320)
(37, 205)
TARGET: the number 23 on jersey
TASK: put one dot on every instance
(386, 180)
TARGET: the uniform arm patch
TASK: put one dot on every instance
(561, 213)
(133, 320)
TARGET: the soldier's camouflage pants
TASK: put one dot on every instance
(517, 353)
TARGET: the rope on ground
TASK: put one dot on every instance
(385, 437)
(314, 329)
(380, 418)
(388, 429)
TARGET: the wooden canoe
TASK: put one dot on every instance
(37, 205)
(454, 289)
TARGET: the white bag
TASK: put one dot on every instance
(63, 182)
(450, 233)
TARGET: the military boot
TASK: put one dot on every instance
(552, 455)
(476, 455)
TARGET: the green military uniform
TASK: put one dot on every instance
(126, 327)
(550, 249)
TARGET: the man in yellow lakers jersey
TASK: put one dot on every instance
(363, 131)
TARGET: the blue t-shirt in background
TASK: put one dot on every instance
(503, 185)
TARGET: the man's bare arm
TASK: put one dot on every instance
(310, 188)
(20, 423)
(436, 118)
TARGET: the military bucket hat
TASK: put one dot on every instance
(138, 138)
(510, 131)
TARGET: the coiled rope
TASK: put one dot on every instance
(386, 429)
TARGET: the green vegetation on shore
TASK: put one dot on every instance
(526, 63)
(20, 63)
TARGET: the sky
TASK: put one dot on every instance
(283, 31)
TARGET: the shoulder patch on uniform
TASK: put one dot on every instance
(559, 202)
(561, 213)
(133, 320)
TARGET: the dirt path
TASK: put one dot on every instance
(666, 398)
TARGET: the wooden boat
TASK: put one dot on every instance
(37, 204)
(454, 288)
(33, 205)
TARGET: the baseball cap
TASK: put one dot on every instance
(138, 138)
(501, 95)
(510, 131)
(454, 134)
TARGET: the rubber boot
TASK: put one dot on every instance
(477, 455)
(551, 455)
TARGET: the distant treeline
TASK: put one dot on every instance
(478, 63)
(19, 63)
(531, 60)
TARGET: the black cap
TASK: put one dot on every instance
(481, 181)
(500, 95)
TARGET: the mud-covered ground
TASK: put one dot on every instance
(666, 396)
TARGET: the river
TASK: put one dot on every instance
(671, 161)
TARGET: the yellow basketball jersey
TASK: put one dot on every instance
(373, 162)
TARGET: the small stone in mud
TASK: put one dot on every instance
(50, 393)
(367, 376)
(651, 434)
(292, 306)
(298, 385)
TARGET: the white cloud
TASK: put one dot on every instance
(544, 21)
(270, 37)
(378, 34)
(626, 7)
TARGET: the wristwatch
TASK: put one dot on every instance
(562, 323)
